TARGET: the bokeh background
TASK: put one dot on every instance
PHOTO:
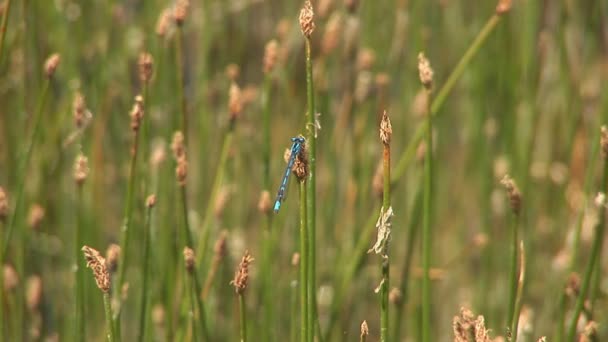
(530, 104)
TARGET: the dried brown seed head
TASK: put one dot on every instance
(11, 279)
(233, 71)
(271, 55)
(395, 296)
(34, 293)
(181, 171)
(189, 259)
(235, 101)
(35, 216)
(97, 263)
(573, 285)
(145, 66)
(158, 315)
(221, 200)
(137, 113)
(503, 7)
(604, 141)
(81, 169)
(264, 203)
(300, 166)
(331, 36)
(241, 277)
(366, 59)
(512, 193)
(3, 204)
(158, 155)
(80, 110)
(295, 259)
(164, 22)
(112, 257)
(351, 5)
(425, 71)
(386, 130)
(180, 11)
(151, 201)
(307, 16)
(178, 145)
(51, 64)
(364, 329)
(220, 248)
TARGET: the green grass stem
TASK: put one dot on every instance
(146, 259)
(426, 224)
(79, 322)
(513, 272)
(243, 317)
(107, 304)
(304, 271)
(7, 10)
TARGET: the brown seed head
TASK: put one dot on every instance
(307, 16)
(504, 6)
(235, 101)
(271, 55)
(97, 263)
(35, 216)
(112, 257)
(573, 285)
(34, 293)
(241, 277)
(589, 332)
(233, 71)
(295, 259)
(364, 329)
(158, 155)
(331, 36)
(164, 22)
(3, 204)
(137, 113)
(151, 201)
(604, 141)
(264, 203)
(177, 145)
(395, 296)
(386, 130)
(221, 200)
(180, 11)
(351, 5)
(181, 171)
(512, 193)
(220, 248)
(158, 315)
(300, 166)
(81, 169)
(50, 65)
(11, 279)
(425, 72)
(145, 66)
(463, 325)
(366, 59)
(80, 110)
(383, 80)
(189, 259)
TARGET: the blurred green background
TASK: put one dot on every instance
(530, 104)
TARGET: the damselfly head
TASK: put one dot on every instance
(299, 139)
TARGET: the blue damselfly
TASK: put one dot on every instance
(296, 148)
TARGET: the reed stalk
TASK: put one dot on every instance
(520, 291)
(79, 322)
(307, 27)
(596, 246)
(179, 73)
(7, 10)
(240, 282)
(146, 259)
(136, 117)
(304, 250)
(426, 78)
(107, 305)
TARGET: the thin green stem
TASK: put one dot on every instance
(410, 151)
(520, 291)
(79, 325)
(386, 204)
(24, 163)
(304, 264)
(108, 311)
(219, 176)
(179, 73)
(595, 252)
(426, 226)
(201, 306)
(128, 212)
(513, 273)
(146, 275)
(184, 199)
(311, 138)
(266, 93)
(243, 316)
(7, 10)
(2, 322)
